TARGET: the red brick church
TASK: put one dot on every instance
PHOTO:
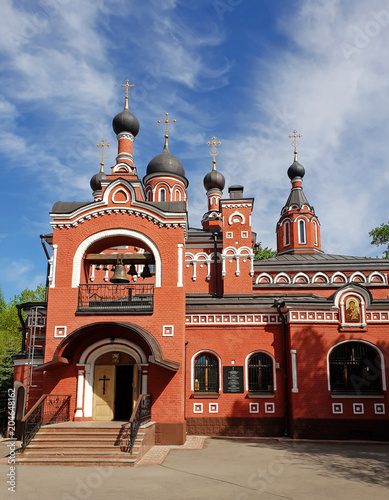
(139, 303)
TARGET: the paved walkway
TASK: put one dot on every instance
(225, 469)
(157, 454)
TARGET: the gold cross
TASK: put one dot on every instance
(102, 152)
(166, 121)
(214, 151)
(127, 91)
(295, 142)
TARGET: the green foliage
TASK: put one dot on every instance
(11, 337)
(263, 252)
(380, 236)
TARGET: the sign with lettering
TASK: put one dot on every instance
(233, 379)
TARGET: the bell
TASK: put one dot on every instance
(146, 272)
(119, 276)
(132, 271)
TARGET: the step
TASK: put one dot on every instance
(76, 456)
(101, 461)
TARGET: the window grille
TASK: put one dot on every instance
(355, 368)
(260, 373)
(206, 373)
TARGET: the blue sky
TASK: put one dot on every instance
(247, 71)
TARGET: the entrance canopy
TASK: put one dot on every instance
(70, 349)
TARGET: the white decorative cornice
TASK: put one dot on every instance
(231, 319)
(125, 135)
(124, 211)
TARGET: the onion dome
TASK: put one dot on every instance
(125, 122)
(214, 180)
(95, 182)
(165, 162)
(296, 169)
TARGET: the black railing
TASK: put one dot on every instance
(49, 409)
(140, 415)
(116, 298)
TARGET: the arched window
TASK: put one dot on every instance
(162, 194)
(260, 373)
(301, 226)
(316, 234)
(206, 373)
(178, 195)
(287, 233)
(355, 368)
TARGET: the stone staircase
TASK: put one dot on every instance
(85, 444)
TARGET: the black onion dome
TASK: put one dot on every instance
(165, 162)
(95, 182)
(125, 122)
(296, 170)
(214, 179)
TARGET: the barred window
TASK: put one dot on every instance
(260, 373)
(206, 373)
(355, 368)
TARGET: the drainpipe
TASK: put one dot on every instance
(279, 304)
(42, 237)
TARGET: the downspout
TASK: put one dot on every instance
(42, 237)
(19, 307)
(279, 305)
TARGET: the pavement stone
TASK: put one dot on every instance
(219, 469)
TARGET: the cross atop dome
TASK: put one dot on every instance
(102, 145)
(127, 91)
(214, 151)
(166, 121)
(294, 135)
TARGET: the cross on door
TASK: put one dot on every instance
(104, 380)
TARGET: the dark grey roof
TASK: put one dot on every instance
(317, 259)
(165, 162)
(314, 256)
(169, 206)
(214, 179)
(125, 122)
(66, 207)
(297, 197)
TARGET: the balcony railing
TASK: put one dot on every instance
(100, 299)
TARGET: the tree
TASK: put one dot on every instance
(380, 236)
(263, 252)
(11, 340)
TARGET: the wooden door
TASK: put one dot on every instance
(104, 392)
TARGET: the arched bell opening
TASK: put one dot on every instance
(118, 259)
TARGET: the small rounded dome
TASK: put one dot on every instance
(165, 162)
(214, 179)
(296, 170)
(95, 182)
(125, 122)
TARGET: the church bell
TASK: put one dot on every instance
(119, 275)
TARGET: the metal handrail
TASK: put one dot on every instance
(49, 409)
(140, 415)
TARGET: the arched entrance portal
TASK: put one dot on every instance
(115, 387)
(111, 375)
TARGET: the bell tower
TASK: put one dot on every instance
(298, 229)
(214, 183)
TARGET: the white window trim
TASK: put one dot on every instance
(192, 370)
(246, 365)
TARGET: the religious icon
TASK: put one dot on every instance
(352, 311)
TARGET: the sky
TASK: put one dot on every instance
(246, 71)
